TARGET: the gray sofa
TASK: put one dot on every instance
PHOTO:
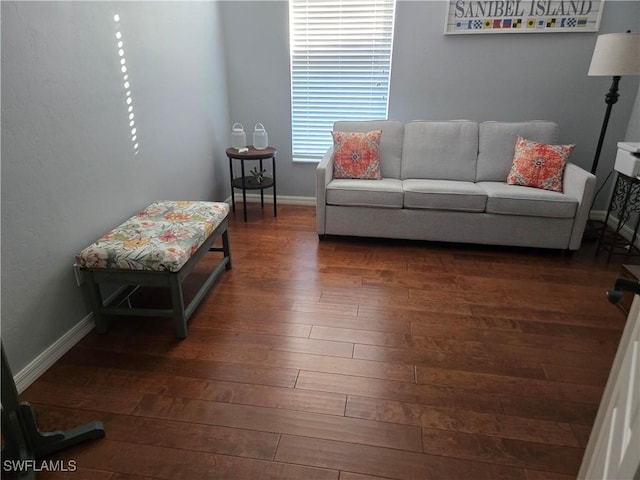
(446, 181)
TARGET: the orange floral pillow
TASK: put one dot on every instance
(539, 165)
(357, 155)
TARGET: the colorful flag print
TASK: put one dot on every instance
(529, 22)
(570, 22)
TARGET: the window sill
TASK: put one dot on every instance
(306, 160)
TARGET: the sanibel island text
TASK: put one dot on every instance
(517, 8)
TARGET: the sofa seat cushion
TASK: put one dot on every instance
(444, 195)
(386, 192)
(519, 200)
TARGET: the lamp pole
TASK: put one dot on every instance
(610, 99)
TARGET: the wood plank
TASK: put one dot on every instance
(464, 421)
(574, 343)
(424, 359)
(538, 475)
(585, 317)
(165, 433)
(179, 464)
(251, 324)
(281, 421)
(390, 325)
(555, 357)
(401, 391)
(326, 308)
(549, 409)
(492, 383)
(193, 368)
(126, 476)
(357, 476)
(596, 376)
(74, 473)
(268, 358)
(385, 462)
(410, 342)
(502, 451)
(231, 392)
(82, 398)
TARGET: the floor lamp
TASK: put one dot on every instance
(615, 55)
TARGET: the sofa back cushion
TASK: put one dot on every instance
(390, 141)
(440, 150)
(498, 141)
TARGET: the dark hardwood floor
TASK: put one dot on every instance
(349, 359)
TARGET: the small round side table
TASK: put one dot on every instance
(247, 182)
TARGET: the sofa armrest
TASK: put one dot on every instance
(324, 174)
(581, 185)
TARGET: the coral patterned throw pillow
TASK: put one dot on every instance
(356, 155)
(539, 165)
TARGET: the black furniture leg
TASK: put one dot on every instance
(273, 167)
(24, 443)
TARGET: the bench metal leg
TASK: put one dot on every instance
(95, 298)
(177, 301)
(226, 248)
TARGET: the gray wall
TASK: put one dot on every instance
(477, 77)
(68, 167)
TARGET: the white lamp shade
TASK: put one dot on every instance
(616, 54)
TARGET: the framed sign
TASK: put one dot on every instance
(522, 16)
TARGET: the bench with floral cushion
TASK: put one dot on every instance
(159, 246)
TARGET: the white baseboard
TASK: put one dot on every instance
(284, 200)
(598, 215)
(51, 355)
(612, 222)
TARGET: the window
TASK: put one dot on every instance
(340, 67)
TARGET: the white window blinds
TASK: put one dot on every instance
(340, 67)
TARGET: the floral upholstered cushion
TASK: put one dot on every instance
(356, 155)
(539, 165)
(163, 237)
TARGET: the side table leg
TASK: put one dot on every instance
(244, 192)
(261, 190)
(233, 197)
(273, 167)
